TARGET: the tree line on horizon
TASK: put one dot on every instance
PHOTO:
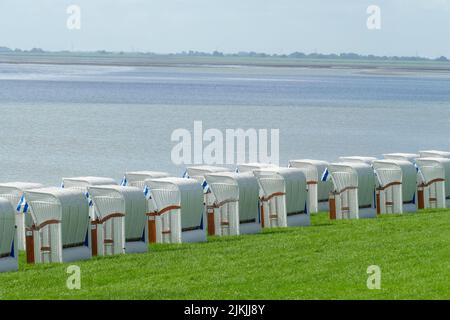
(251, 54)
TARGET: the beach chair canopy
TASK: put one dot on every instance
(343, 176)
(242, 187)
(185, 193)
(402, 156)
(7, 227)
(270, 182)
(434, 154)
(137, 178)
(367, 160)
(128, 201)
(249, 167)
(387, 172)
(354, 174)
(199, 172)
(68, 206)
(13, 191)
(314, 170)
(83, 182)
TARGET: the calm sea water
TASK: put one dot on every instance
(60, 121)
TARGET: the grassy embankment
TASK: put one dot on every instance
(328, 260)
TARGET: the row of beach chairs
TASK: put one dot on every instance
(95, 216)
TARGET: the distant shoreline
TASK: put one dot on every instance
(140, 60)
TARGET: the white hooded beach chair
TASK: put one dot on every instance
(353, 190)
(389, 197)
(389, 185)
(119, 221)
(434, 154)
(198, 173)
(8, 239)
(82, 183)
(179, 216)
(137, 178)
(60, 224)
(13, 191)
(283, 200)
(236, 201)
(433, 176)
(411, 157)
(343, 200)
(318, 190)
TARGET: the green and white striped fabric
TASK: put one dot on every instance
(7, 226)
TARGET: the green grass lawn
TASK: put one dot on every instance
(328, 260)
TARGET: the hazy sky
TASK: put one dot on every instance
(408, 27)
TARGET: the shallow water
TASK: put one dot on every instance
(60, 121)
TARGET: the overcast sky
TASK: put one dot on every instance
(408, 27)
